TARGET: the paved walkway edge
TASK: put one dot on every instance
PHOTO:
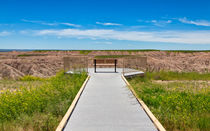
(63, 122)
(144, 106)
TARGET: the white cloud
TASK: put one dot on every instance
(70, 24)
(4, 24)
(31, 21)
(24, 20)
(189, 37)
(50, 24)
(103, 42)
(5, 33)
(108, 24)
(24, 32)
(40, 22)
(160, 22)
(197, 22)
(154, 21)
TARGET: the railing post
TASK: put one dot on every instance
(123, 65)
(95, 65)
(115, 64)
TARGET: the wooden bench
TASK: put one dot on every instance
(105, 62)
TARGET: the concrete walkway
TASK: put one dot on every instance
(106, 104)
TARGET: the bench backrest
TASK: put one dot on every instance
(105, 61)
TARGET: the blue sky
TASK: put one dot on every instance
(105, 24)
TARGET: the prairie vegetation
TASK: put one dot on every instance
(111, 56)
(180, 101)
(28, 55)
(38, 106)
(169, 75)
(134, 50)
(85, 52)
(16, 84)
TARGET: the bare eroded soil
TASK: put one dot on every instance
(44, 64)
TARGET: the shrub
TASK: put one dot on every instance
(49, 101)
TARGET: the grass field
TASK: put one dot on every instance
(39, 106)
(180, 102)
(163, 75)
(137, 50)
(28, 55)
(111, 56)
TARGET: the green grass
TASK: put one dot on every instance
(116, 56)
(137, 50)
(85, 52)
(147, 50)
(39, 107)
(164, 75)
(187, 51)
(48, 50)
(27, 55)
(13, 85)
(32, 78)
(111, 56)
(178, 105)
(88, 51)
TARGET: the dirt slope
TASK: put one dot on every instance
(44, 64)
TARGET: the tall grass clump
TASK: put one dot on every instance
(39, 108)
(177, 105)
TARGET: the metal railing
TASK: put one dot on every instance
(128, 64)
(134, 64)
(75, 64)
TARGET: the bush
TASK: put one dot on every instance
(49, 101)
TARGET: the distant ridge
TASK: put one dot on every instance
(134, 50)
(9, 50)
